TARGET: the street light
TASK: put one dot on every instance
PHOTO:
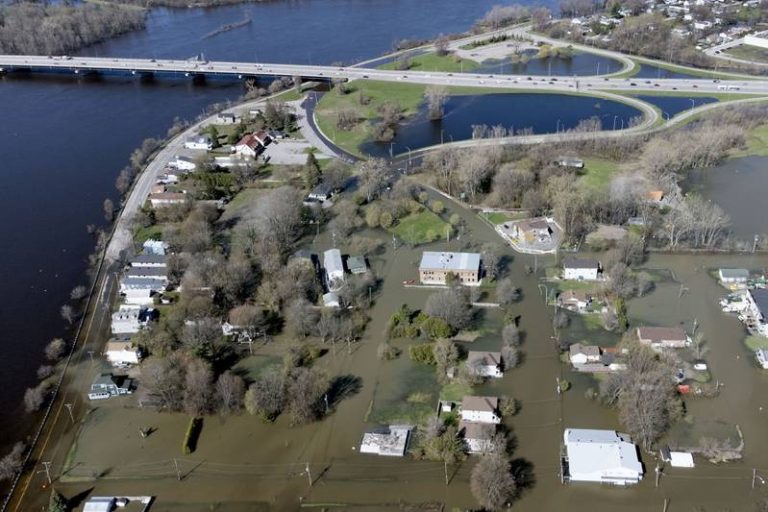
(408, 166)
(693, 103)
(666, 114)
(614, 122)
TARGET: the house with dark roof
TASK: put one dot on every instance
(581, 269)
(477, 436)
(480, 409)
(663, 337)
(357, 265)
(485, 364)
(106, 385)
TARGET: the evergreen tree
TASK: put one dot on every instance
(312, 173)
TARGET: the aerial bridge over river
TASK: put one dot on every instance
(248, 70)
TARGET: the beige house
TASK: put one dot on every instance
(663, 337)
(435, 267)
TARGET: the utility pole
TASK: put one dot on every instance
(71, 416)
(47, 469)
(309, 474)
(90, 354)
(658, 475)
(178, 471)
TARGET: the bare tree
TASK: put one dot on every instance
(307, 390)
(446, 357)
(230, 389)
(45, 371)
(510, 335)
(491, 482)
(78, 292)
(451, 305)
(373, 177)
(55, 349)
(109, 210)
(12, 462)
(436, 96)
(67, 313)
(163, 381)
(507, 292)
(441, 45)
(35, 397)
(266, 396)
(301, 318)
(198, 382)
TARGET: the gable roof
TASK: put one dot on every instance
(760, 296)
(581, 263)
(661, 334)
(484, 358)
(578, 295)
(734, 273)
(475, 430)
(587, 350)
(480, 403)
(356, 264)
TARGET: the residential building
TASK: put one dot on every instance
(126, 319)
(263, 137)
(602, 456)
(485, 364)
(252, 144)
(677, 459)
(663, 337)
(148, 260)
(334, 269)
(158, 273)
(141, 291)
(389, 442)
(183, 163)
(532, 230)
(227, 118)
(321, 192)
(758, 310)
(435, 267)
(575, 300)
(581, 269)
(161, 199)
(106, 385)
(357, 265)
(122, 353)
(199, 142)
(480, 409)
(567, 161)
(762, 358)
(583, 354)
(733, 275)
(477, 436)
(152, 246)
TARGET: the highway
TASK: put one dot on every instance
(83, 65)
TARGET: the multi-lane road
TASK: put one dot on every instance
(82, 65)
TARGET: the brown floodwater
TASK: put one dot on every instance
(243, 464)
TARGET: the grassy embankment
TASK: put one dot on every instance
(699, 73)
(421, 228)
(748, 53)
(434, 62)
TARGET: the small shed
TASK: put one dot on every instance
(357, 265)
(99, 504)
(677, 459)
(331, 300)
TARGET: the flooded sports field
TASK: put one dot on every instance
(244, 464)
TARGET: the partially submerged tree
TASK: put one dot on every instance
(492, 483)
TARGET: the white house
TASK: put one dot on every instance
(199, 142)
(583, 354)
(663, 337)
(156, 273)
(485, 364)
(574, 300)
(322, 192)
(480, 409)
(762, 358)
(477, 436)
(140, 291)
(602, 456)
(227, 118)
(733, 275)
(126, 319)
(581, 269)
(677, 459)
(389, 442)
(122, 353)
(334, 269)
(183, 163)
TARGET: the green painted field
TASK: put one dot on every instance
(421, 228)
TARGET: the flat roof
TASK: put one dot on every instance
(602, 452)
(391, 441)
(461, 261)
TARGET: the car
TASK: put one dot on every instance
(605, 79)
(695, 86)
(234, 67)
(674, 88)
(551, 83)
(633, 84)
(656, 84)
(405, 76)
(450, 74)
(589, 85)
(554, 79)
(365, 76)
(320, 73)
(647, 81)
(150, 60)
(482, 81)
(529, 78)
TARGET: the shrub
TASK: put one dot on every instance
(386, 352)
(437, 207)
(422, 353)
(192, 435)
(434, 328)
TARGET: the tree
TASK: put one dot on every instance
(446, 356)
(109, 210)
(230, 389)
(278, 216)
(78, 292)
(249, 320)
(373, 177)
(492, 483)
(436, 96)
(57, 502)
(197, 388)
(510, 334)
(307, 389)
(441, 45)
(301, 317)
(312, 173)
(507, 292)
(55, 349)
(266, 396)
(124, 180)
(35, 397)
(447, 447)
(510, 354)
(202, 338)
(67, 313)
(12, 462)
(451, 305)
(163, 381)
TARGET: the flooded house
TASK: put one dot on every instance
(601, 456)
(581, 269)
(480, 409)
(391, 441)
(663, 337)
(436, 266)
(485, 364)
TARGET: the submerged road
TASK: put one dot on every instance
(240, 70)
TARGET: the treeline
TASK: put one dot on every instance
(184, 4)
(31, 28)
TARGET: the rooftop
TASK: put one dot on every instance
(332, 261)
(734, 273)
(459, 261)
(356, 264)
(484, 358)
(391, 441)
(480, 403)
(474, 430)
(147, 271)
(661, 333)
(603, 452)
(760, 296)
(149, 258)
(581, 263)
(587, 350)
